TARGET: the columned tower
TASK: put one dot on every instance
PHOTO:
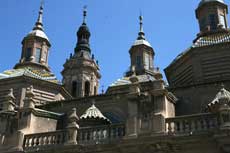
(81, 71)
(35, 47)
(212, 15)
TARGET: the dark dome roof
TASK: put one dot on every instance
(83, 29)
(206, 1)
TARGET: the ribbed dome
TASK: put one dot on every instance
(206, 1)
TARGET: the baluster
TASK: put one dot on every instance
(80, 138)
(43, 140)
(215, 122)
(53, 139)
(187, 126)
(32, 142)
(111, 133)
(37, 141)
(100, 134)
(181, 126)
(47, 140)
(204, 125)
(116, 132)
(85, 133)
(169, 127)
(104, 134)
(27, 143)
(208, 123)
(193, 126)
(177, 127)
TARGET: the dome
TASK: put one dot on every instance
(38, 33)
(83, 29)
(142, 42)
(206, 1)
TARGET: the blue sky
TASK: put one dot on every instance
(170, 27)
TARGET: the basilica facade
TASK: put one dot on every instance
(139, 112)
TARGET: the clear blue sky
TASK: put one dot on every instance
(170, 27)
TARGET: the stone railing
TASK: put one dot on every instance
(192, 124)
(101, 134)
(85, 136)
(44, 139)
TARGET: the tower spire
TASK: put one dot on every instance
(84, 15)
(141, 34)
(39, 24)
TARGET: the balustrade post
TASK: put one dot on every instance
(19, 142)
(72, 127)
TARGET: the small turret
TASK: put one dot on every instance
(141, 54)
(35, 47)
(212, 16)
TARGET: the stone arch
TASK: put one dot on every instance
(115, 115)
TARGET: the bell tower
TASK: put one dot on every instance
(81, 71)
(35, 47)
(212, 15)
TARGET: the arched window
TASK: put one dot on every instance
(74, 88)
(87, 88)
(28, 54)
(38, 55)
(95, 90)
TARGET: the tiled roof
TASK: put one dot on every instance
(126, 80)
(212, 39)
(34, 73)
(208, 40)
(93, 113)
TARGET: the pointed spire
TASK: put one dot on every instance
(84, 15)
(141, 34)
(39, 24)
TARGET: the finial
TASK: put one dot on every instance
(93, 102)
(93, 56)
(102, 89)
(141, 22)
(222, 86)
(84, 14)
(141, 34)
(39, 24)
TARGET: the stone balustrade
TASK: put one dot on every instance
(44, 139)
(192, 124)
(101, 134)
(86, 136)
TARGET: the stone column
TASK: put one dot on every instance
(72, 127)
(132, 120)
